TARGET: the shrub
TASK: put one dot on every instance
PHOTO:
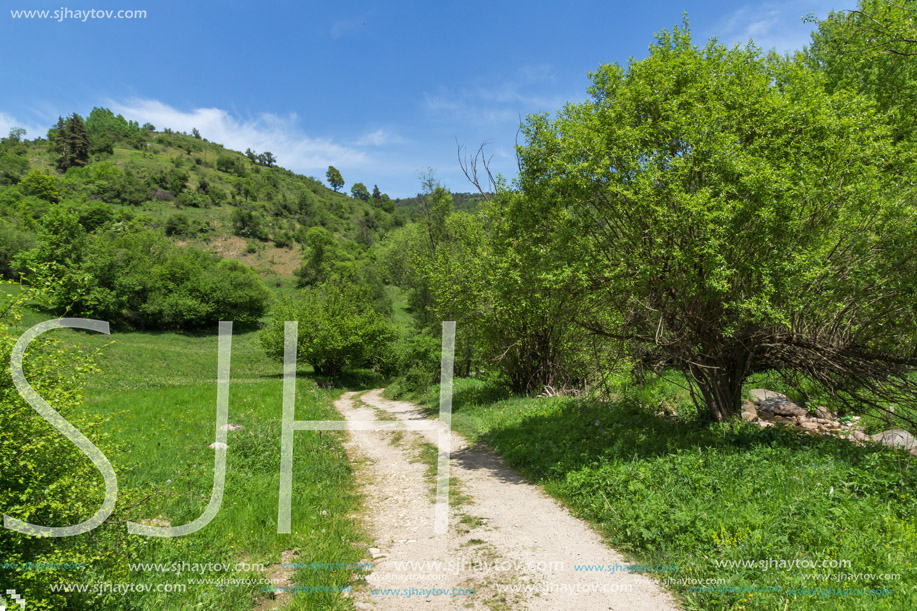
(338, 329)
(248, 224)
(139, 278)
(46, 479)
(40, 185)
(177, 225)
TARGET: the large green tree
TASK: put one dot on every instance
(359, 191)
(730, 217)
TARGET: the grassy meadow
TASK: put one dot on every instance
(157, 392)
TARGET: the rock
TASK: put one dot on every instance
(760, 395)
(810, 426)
(375, 552)
(218, 445)
(897, 438)
(749, 413)
(749, 408)
(860, 436)
(788, 409)
(766, 415)
(232, 427)
(822, 412)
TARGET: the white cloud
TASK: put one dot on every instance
(8, 122)
(346, 27)
(772, 25)
(281, 135)
(380, 137)
(496, 101)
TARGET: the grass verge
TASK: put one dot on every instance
(709, 497)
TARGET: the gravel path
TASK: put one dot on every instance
(507, 540)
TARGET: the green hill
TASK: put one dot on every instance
(194, 191)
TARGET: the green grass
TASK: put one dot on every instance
(158, 391)
(693, 493)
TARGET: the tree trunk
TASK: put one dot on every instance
(721, 388)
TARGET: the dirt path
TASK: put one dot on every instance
(507, 540)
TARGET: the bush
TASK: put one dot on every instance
(338, 329)
(248, 224)
(40, 185)
(231, 165)
(177, 225)
(13, 240)
(46, 479)
(139, 278)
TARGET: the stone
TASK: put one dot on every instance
(218, 445)
(749, 408)
(860, 436)
(822, 412)
(897, 438)
(760, 395)
(232, 427)
(748, 417)
(789, 409)
(809, 425)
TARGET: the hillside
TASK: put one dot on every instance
(196, 192)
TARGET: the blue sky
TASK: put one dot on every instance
(379, 90)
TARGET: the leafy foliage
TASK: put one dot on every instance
(334, 178)
(139, 278)
(46, 479)
(339, 328)
(728, 216)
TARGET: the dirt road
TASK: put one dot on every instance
(511, 544)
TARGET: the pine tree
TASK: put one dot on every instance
(72, 143)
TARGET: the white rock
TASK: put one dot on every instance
(218, 445)
(898, 438)
(759, 395)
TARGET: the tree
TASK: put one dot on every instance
(873, 50)
(334, 178)
(71, 143)
(267, 159)
(359, 191)
(195, 133)
(727, 216)
(435, 206)
(248, 224)
(14, 161)
(17, 134)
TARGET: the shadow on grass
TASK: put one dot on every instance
(561, 436)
